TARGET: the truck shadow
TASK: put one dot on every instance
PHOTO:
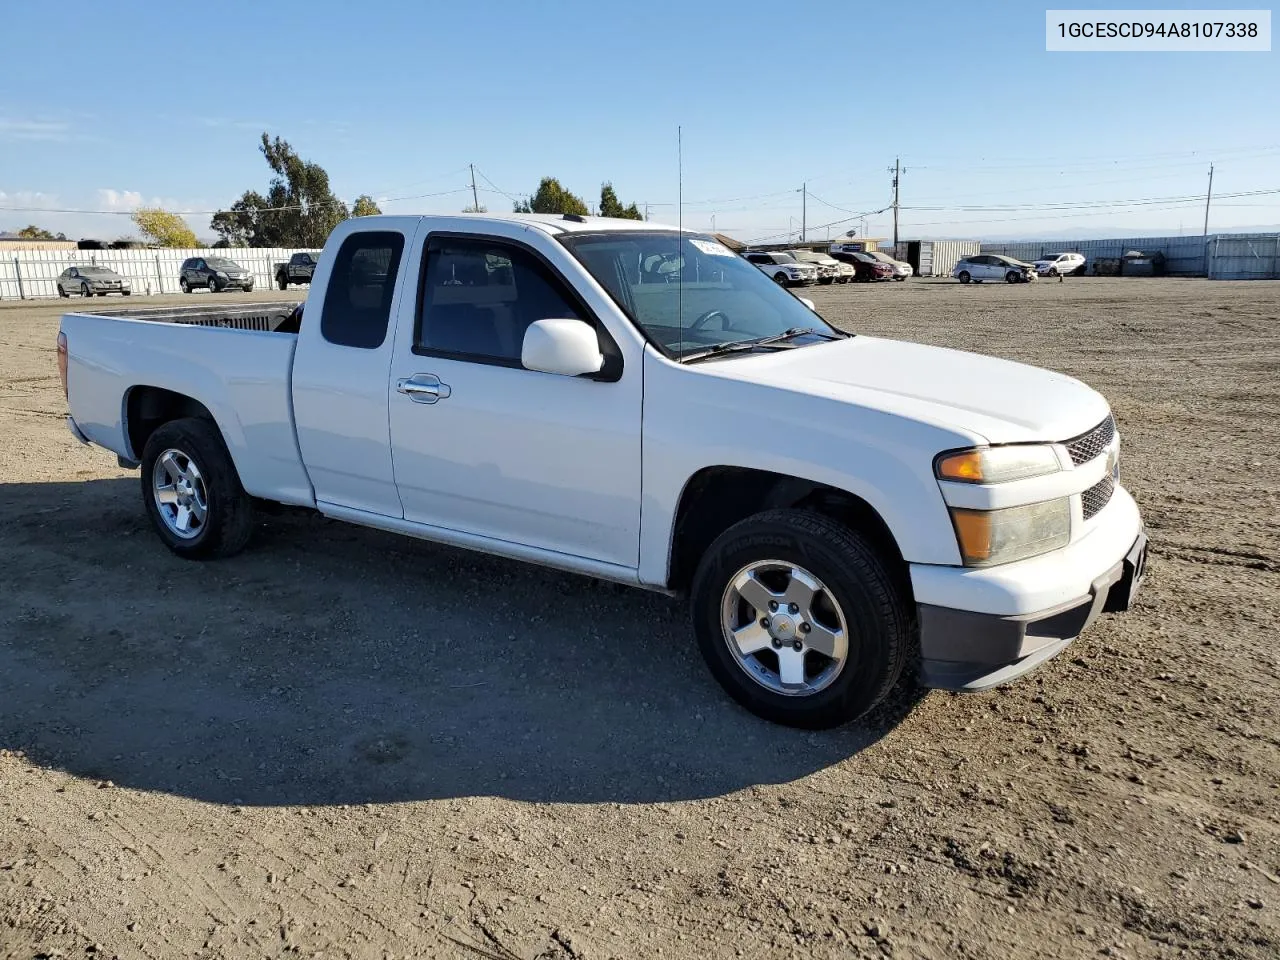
(330, 664)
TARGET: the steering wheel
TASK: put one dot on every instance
(702, 321)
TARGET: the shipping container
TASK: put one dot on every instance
(1245, 257)
(935, 258)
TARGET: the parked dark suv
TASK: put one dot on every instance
(215, 273)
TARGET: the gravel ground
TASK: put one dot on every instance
(347, 744)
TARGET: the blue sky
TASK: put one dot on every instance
(396, 98)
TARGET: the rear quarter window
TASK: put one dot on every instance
(357, 301)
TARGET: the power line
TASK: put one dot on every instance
(822, 226)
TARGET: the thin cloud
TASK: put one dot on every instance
(34, 130)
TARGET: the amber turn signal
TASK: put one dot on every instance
(973, 532)
(962, 466)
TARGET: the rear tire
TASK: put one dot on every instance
(856, 591)
(84, 290)
(227, 523)
(63, 293)
(964, 276)
(184, 286)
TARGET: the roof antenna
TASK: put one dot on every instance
(680, 237)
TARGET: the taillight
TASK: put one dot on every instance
(62, 363)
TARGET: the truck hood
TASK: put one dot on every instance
(996, 400)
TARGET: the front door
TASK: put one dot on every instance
(485, 447)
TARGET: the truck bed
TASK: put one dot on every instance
(234, 360)
(272, 316)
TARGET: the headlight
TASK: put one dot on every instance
(989, 537)
(222, 274)
(997, 464)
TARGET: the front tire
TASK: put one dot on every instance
(192, 492)
(964, 276)
(799, 619)
(780, 279)
(1012, 277)
(282, 282)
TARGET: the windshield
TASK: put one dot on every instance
(96, 272)
(882, 257)
(690, 293)
(221, 263)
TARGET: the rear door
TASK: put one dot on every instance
(341, 363)
(492, 449)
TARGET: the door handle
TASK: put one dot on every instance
(423, 388)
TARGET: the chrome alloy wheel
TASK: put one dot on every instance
(181, 499)
(784, 628)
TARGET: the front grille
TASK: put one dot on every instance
(1089, 445)
(1097, 496)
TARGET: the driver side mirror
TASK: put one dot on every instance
(566, 347)
(808, 303)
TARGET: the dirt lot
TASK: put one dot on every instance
(345, 744)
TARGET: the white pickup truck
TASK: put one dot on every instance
(833, 505)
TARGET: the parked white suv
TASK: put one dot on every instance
(784, 269)
(828, 267)
(1060, 265)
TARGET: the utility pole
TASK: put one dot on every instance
(475, 200)
(804, 212)
(896, 170)
(1207, 198)
(646, 210)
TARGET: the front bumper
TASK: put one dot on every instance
(999, 623)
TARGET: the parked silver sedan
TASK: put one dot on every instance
(87, 281)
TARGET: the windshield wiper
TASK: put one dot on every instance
(737, 346)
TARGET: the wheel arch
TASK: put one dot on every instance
(717, 497)
(147, 407)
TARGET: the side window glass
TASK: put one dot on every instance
(357, 303)
(479, 297)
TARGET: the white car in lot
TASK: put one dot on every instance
(92, 281)
(990, 266)
(900, 270)
(784, 269)
(828, 267)
(1060, 265)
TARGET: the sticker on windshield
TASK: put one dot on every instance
(711, 248)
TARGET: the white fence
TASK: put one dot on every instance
(31, 274)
